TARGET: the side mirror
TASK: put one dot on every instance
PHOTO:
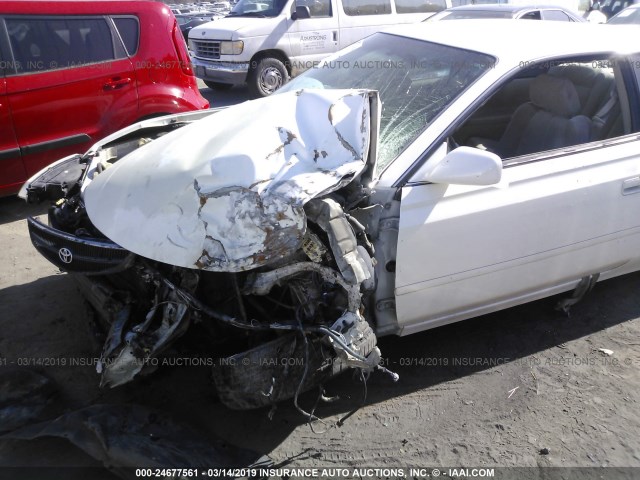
(467, 166)
(302, 11)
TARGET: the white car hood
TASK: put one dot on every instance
(225, 27)
(226, 193)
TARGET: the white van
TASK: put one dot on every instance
(264, 42)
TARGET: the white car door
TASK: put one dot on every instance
(555, 217)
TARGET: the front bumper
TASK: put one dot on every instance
(89, 256)
(221, 72)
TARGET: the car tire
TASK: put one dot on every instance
(218, 85)
(266, 77)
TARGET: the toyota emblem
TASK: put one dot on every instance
(65, 255)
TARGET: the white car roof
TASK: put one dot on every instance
(513, 42)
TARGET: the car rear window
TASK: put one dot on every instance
(129, 31)
(41, 44)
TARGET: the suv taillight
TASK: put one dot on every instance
(181, 50)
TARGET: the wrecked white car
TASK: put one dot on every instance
(420, 177)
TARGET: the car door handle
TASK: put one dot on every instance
(116, 83)
(631, 185)
(335, 36)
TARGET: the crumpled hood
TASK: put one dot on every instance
(226, 193)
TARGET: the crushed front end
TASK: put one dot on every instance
(246, 230)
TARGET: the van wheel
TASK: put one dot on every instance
(266, 77)
(218, 85)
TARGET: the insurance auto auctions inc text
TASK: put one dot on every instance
(389, 473)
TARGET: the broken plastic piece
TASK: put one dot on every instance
(585, 285)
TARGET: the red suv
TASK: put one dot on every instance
(72, 72)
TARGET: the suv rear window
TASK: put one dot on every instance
(129, 32)
(41, 44)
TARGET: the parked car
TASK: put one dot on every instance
(420, 177)
(503, 10)
(264, 43)
(188, 21)
(601, 11)
(630, 15)
(74, 72)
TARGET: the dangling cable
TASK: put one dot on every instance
(310, 416)
(340, 422)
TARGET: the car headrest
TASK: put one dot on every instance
(578, 74)
(556, 95)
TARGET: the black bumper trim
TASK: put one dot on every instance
(79, 255)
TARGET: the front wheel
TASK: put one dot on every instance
(266, 77)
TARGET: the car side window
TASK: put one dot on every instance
(129, 31)
(40, 44)
(317, 8)
(366, 7)
(556, 15)
(535, 15)
(550, 106)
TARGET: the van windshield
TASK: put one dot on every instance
(416, 80)
(257, 8)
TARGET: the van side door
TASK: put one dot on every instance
(72, 84)
(315, 37)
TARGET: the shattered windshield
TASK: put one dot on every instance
(630, 15)
(416, 80)
(255, 8)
